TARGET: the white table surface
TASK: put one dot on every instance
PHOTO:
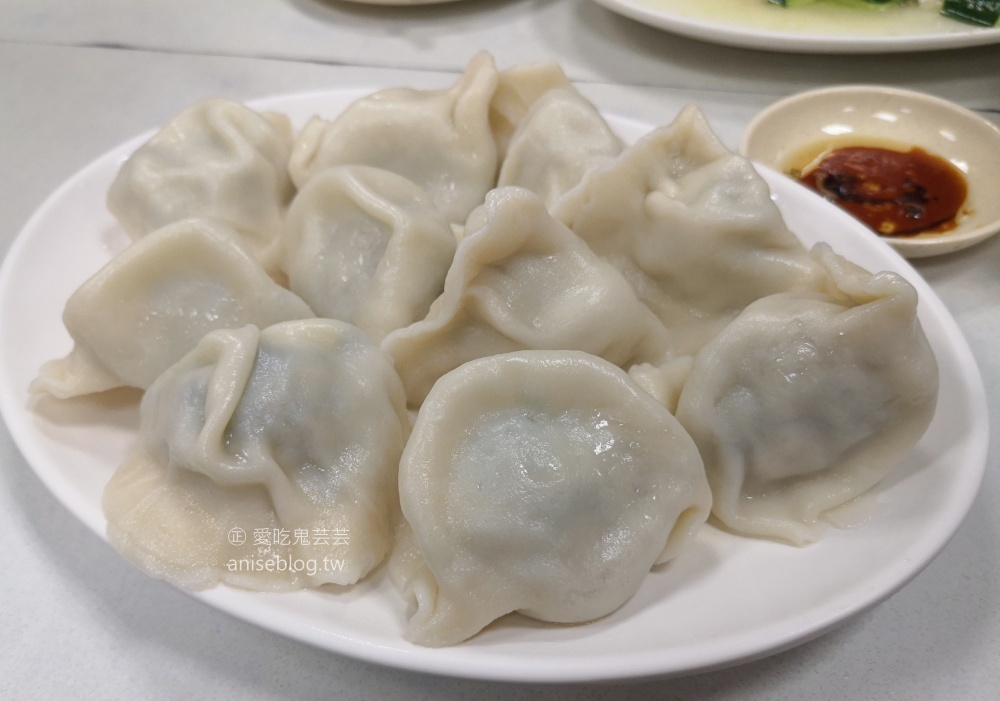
(80, 77)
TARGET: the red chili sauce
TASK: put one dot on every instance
(895, 193)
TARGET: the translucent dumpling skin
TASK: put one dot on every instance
(691, 226)
(807, 400)
(470, 339)
(520, 280)
(216, 159)
(561, 138)
(155, 300)
(544, 482)
(266, 459)
(439, 139)
(366, 246)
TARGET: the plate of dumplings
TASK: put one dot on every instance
(483, 382)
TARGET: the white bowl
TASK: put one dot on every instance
(793, 131)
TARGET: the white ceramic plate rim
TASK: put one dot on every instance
(692, 615)
(798, 42)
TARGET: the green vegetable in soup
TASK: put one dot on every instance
(985, 13)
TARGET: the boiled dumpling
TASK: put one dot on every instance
(266, 459)
(665, 380)
(692, 227)
(216, 159)
(807, 400)
(366, 246)
(520, 281)
(518, 88)
(559, 140)
(439, 139)
(544, 482)
(154, 301)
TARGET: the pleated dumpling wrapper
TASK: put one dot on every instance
(217, 159)
(366, 246)
(518, 88)
(266, 459)
(544, 482)
(691, 225)
(439, 139)
(523, 281)
(560, 139)
(807, 400)
(153, 302)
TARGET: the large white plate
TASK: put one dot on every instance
(724, 601)
(755, 24)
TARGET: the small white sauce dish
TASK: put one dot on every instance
(793, 132)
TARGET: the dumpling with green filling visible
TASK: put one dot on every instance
(544, 482)
(523, 281)
(807, 400)
(266, 459)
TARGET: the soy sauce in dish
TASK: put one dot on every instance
(895, 193)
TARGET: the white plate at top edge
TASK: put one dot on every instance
(724, 601)
(755, 30)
